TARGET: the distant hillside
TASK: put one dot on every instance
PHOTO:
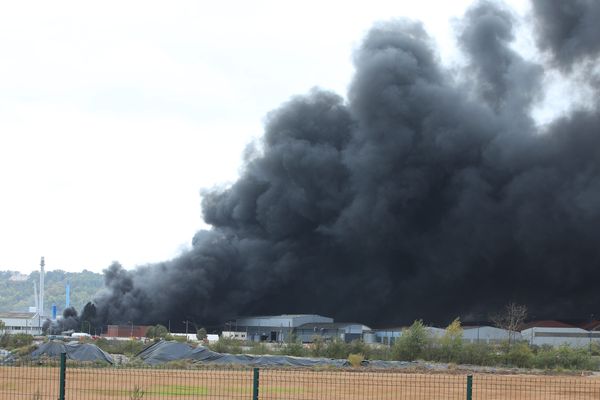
(16, 290)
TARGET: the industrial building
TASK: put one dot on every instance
(390, 335)
(331, 330)
(22, 322)
(126, 331)
(555, 333)
(488, 334)
(302, 327)
(275, 328)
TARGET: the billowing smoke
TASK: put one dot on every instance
(426, 194)
(69, 321)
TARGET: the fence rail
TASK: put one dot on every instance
(44, 380)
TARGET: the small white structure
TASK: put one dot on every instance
(234, 335)
(435, 332)
(212, 338)
(389, 336)
(489, 334)
(22, 322)
(79, 335)
(190, 337)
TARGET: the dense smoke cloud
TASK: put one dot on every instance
(568, 29)
(69, 321)
(421, 196)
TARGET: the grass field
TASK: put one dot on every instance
(116, 383)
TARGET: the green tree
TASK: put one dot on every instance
(451, 344)
(413, 343)
(201, 334)
(2, 326)
(158, 332)
(318, 346)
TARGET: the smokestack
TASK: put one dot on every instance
(68, 295)
(41, 309)
(36, 298)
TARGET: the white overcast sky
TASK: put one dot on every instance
(114, 114)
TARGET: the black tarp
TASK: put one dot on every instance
(87, 352)
(75, 351)
(6, 357)
(50, 349)
(165, 351)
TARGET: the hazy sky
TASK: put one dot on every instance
(115, 114)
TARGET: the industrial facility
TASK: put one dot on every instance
(305, 328)
(274, 328)
(22, 322)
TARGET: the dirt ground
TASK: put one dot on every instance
(118, 383)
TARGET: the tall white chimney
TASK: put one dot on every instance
(36, 298)
(41, 309)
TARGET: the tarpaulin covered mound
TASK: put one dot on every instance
(50, 349)
(75, 351)
(163, 351)
(6, 357)
(87, 352)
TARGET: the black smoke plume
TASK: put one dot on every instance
(69, 321)
(426, 194)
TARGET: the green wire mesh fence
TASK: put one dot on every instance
(44, 380)
(25, 379)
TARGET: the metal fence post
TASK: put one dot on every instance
(255, 383)
(469, 387)
(63, 368)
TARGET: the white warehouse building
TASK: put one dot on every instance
(488, 334)
(558, 336)
(22, 322)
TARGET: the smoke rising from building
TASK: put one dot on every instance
(422, 196)
(69, 321)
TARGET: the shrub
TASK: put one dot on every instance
(412, 344)
(158, 331)
(478, 354)
(128, 347)
(520, 355)
(356, 360)
(226, 345)
(318, 346)
(136, 393)
(14, 341)
(359, 347)
(451, 344)
(564, 357)
(336, 349)
(293, 349)
(259, 349)
(201, 334)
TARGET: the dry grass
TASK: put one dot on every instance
(114, 383)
